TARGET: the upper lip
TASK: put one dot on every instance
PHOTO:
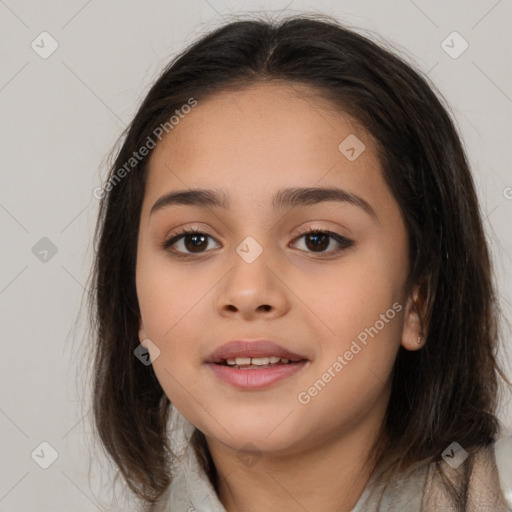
(254, 348)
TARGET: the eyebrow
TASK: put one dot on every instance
(284, 198)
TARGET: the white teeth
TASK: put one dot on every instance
(260, 360)
(240, 361)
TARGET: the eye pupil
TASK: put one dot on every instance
(194, 246)
(316, 236)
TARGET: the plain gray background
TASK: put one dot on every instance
(60, 116)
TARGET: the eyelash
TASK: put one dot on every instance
(344, 243)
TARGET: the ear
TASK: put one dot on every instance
(414, 333)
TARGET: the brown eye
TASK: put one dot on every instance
(190, 242)
(193, 241)
(318, 240)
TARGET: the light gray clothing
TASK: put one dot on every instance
(192, 491)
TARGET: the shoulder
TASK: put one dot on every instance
(503, 455)
(484, 484)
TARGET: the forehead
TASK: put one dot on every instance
(261, 138)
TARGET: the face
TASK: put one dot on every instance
(337, 298)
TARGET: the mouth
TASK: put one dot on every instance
(257, 363)
(253, 352)
(254, 364)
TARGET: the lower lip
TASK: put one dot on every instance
(253, 378)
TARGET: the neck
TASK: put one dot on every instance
(329, 476)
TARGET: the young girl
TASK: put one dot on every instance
(294, 300)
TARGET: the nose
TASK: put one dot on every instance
(252, 290)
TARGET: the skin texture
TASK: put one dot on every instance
(252, 143)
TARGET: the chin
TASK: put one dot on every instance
(258, 438)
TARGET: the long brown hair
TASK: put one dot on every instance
(446, 391)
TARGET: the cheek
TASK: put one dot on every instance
(353, 294)
(171, 300)
(364, 314)
(358, 305)
(167, 294)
